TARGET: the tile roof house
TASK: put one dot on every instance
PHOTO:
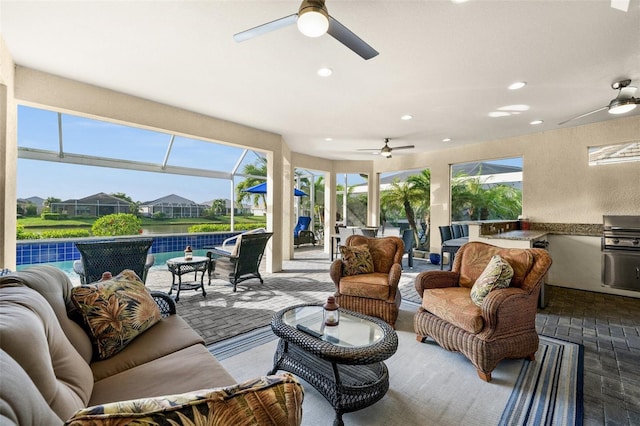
(172, 206)
(95, 205)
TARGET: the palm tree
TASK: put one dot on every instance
(422, 183)
(471, 199)
(219, 206)
(259, 168)
(406, 195)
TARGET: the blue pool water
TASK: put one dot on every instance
(161, 259)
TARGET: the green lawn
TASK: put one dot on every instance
(37, 222)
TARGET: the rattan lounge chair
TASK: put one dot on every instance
(244, 262)
(113, 256)
(375, 294)
(504, 326)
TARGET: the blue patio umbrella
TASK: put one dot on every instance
(261, 188)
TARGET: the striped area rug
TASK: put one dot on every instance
(427, 383)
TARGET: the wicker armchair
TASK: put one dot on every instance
(113, 256)
(503, 326)
(244, 262)
(375, 294)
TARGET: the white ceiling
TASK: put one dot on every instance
(446, 64)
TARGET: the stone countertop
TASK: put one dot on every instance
(517, 235)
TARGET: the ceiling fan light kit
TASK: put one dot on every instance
(621, 106)
(313, 19)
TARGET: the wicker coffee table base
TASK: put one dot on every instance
(346, 387)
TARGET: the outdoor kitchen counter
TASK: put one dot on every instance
(517, 235)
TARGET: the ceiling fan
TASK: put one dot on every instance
(624, 102)
(385, 151)
(313, 20)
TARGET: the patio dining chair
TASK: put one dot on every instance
(113, 256)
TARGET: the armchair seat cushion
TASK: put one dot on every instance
(455, 306)
(371, 286)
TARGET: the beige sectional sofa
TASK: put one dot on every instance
(49, 368)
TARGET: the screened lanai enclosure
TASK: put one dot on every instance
(73, 159)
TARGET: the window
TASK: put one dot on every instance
(611, 154)
(486, 190)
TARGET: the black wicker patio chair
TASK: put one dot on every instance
(114, 256)
(244, 263)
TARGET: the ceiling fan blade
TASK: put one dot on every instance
(583, 115)
(349, 39)
(369, 149)
(266, 28)
(402, 147)
(622, 5)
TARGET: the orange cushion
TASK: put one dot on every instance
(455, 306)
(372, 286)
(476, 259)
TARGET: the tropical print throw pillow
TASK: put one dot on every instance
(115, 311)
(497, 274)
(356, 260)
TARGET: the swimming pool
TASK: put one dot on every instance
(161, 259)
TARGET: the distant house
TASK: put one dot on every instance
(37, 201)
(96, 205)
(172, 206)
(244, 210)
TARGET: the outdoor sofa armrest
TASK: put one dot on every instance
(436, 279)
(166, 304)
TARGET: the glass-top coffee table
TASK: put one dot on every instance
(345, 363)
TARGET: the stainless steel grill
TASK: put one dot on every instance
(621, 252)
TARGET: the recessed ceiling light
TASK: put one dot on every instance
(406, 117)
(495, 114)
(517, 85)
(446, 140)
(514, 108)
(534, 122)
(325, 72)
(459, 1)
(328, 139)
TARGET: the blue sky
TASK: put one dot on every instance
(39, 129)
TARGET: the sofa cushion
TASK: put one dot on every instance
(21, 403)
(454, 305)
(115, 311)
(32, 336)
(372, 286)
(168, 335)
(268, 400)
(182, 371)
(497, 274)
(356, 260)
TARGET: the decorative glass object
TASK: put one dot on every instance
(331, 313)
